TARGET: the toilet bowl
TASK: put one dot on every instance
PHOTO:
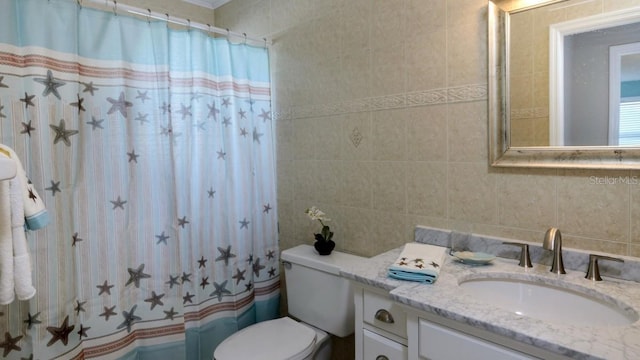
(320, 312)
(279, 339)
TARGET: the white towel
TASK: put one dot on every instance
(418, 262)
(6, 246)
(21, 259)
(35, 213)
(19, 203)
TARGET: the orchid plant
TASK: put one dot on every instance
(316, 214)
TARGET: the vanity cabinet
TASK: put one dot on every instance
(434, 337)
(439, 342)
(380, 325)
(386, 330)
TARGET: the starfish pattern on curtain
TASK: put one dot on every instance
(153, 150)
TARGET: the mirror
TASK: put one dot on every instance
(550, 99)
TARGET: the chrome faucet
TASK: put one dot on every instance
(553, 241)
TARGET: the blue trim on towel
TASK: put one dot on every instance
(37, 221)
(411, 276)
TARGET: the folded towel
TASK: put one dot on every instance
(418, 262)
(35, 213)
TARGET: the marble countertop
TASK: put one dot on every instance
(447, 299)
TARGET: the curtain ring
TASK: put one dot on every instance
(79, 3)
(149, 16)
(115, 8)
(188, 25)
(245, 38)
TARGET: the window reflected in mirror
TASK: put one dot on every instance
(596, 103)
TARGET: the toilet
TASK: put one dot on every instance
(320, 302)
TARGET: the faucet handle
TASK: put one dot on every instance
(525, 259)
(593, 272)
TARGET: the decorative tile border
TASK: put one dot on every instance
(465, 93)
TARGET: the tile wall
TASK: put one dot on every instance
(380, 108)
(381, 115)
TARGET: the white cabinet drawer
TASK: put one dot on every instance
(378, 347)
(383, 313)
(438, 342)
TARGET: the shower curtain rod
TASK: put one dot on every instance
(176, 20)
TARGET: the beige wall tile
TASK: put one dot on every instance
(464, 12)
(472, 193)
(306, 142)
(388, 228)
(287, 224)
(356, 25)
(359, 232)
(387, 25)
(389, 186)
(357, 183)
(286, 179)
(287, 14)
(527, 199)
(425, 18)
(425, 60)
(468, 131)
(388, 70)
(466, 55)
(328, 140)
(355, 74)
(305, 180)
(389, 135)
(330, 176)
(427, 133)
(427, 188)
(594, 204)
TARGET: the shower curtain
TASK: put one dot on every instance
(152, 149)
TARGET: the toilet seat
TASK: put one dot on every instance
(279, 339)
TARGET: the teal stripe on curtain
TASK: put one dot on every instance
(153, 151)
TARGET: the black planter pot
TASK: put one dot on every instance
(324, 247)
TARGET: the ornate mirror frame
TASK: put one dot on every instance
(501, 154)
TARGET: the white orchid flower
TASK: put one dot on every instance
(316, 214)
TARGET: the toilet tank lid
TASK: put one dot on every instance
(306, 255)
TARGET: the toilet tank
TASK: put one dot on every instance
(316, 293)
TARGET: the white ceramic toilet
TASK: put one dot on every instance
(320, 300)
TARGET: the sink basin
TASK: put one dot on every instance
(549, 303)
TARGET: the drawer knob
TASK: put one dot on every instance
(382, 357)
(384, 316)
